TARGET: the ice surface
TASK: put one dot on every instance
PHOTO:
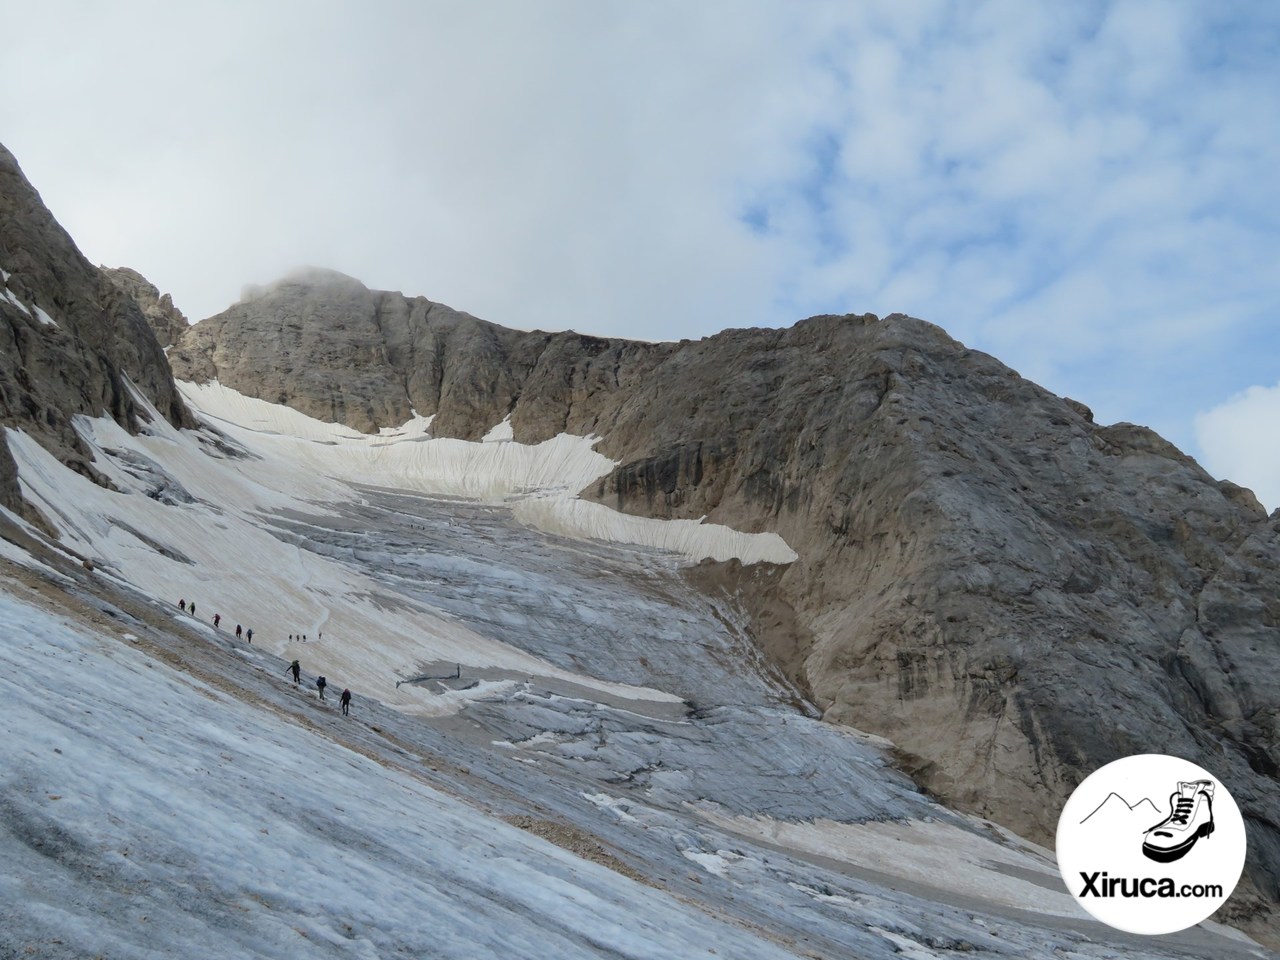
(169, 821)
(688, 538)
(545, 476)
(927, 852)
(202, 543)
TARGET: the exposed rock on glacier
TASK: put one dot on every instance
(69, 338)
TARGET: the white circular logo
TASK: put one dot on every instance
(1151, 844)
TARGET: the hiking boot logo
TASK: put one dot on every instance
(1126, 856)
(1190, 818)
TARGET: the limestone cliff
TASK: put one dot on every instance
(167, 322)
(69, 338)
(1012, 593)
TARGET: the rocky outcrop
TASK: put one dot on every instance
(324, 344)
(69, 338)
(167, 322)
(1012, 593)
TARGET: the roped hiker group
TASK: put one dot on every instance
(217, 619)
(321, 683)
(294, 667)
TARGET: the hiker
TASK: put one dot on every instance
(237, 631)
(217, 619)
(249, 634)
(182, 605)
(296, 668)
(320, 684)
(291, 638)
(346, 703)
(193, 608)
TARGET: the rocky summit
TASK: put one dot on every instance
(1012, 593)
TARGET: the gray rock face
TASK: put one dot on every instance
(167, 321)
(327, 346)
(68, 336)
(1012, 593)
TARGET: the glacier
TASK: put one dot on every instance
(615, 771)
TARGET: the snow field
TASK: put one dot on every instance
(214, 552)
(545, 476)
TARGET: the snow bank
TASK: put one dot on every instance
(691, 539)
(404, 459)
(44, 318)
(542, 479)
(192, 530)
(9, 295)
(500, 433)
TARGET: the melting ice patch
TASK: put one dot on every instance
(540, 481)
(500, 433)
(9, 295)
(692, 539)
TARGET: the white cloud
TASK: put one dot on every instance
(1241, 441)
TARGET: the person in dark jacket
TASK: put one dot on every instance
(296, 671)
(346, 702)
(249, 634)
(182, 605)
(320, 685)
(217, 619)
(238, 631)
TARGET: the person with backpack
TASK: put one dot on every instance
(217, 619)
(296, 668)
(249, 634)
(182, 605)
(346, 703)
(237, 631)
(320, 685)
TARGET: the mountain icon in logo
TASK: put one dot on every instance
(1117, 810)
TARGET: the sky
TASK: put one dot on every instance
(1086, 191)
